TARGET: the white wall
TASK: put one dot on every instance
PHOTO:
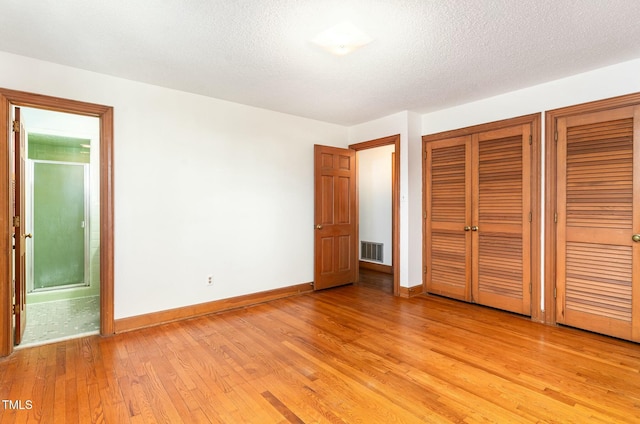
(414, 214)
(202, 186)
(616, 80)
(375, 198)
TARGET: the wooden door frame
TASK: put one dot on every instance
(537, 314)
(395, 202)
(10, 98)
(551, 195)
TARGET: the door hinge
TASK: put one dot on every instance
(555, 217)
(16, 126)
(424, 215)
(555, 292)
(15, 309)
(530, 288)
(16, 221)
(530, 139)
(530, 216)
(425, 270)
(424, 155)
(555, 136)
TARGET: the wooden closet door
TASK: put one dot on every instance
(501, 233)
(448, 245)
(598, 263)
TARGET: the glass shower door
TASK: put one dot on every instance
(59, 224)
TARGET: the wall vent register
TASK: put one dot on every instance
(371, 251)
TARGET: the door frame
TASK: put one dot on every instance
(551, 195)
(537, 313)
(10, 98)
(395, 202)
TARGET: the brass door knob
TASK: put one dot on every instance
(474, 228)
(467, 228)
(319, 227)
(636, 238)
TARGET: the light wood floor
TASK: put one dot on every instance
(351, 354)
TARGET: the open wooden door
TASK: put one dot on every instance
(598, 230)
(20, 237)
(335, 238)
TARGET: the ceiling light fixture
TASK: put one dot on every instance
(342, 39)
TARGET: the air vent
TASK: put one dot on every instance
(371, 251)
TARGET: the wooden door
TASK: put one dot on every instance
(20, 289)
(501, 231)
(335, 217)
(598, 198)
(448, 208)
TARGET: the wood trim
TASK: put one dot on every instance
(105, 114)
(537, 314)
(489, 126)
(551, 121)
(106, 224)
(395, 236)
(387, 269)
(192, 311)
(6, 316)
(408, 292)
(378, 142)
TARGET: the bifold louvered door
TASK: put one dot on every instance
(501, 213)
(448, 206)
(598, 198)
(477, 226)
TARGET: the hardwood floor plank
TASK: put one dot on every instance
(350, 354)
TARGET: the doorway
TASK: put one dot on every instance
(378, 167)
(9, 223)
(62, 216)
(375, 199)
(336, 240)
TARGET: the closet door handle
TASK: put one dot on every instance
(636, 238)
(467, 228)
(474, 228)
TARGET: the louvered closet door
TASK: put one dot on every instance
(598, 264)
(448, 190)
(501, 232)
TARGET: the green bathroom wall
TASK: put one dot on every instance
(58, 148)
(58, 227)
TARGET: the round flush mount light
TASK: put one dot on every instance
(342, 39)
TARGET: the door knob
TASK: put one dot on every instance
(467, 228)
(636, 238)
(28, 235)
(319, 227)
(474, 228)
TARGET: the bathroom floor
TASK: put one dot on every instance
(61, 319)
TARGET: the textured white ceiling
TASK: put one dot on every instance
(427, 54)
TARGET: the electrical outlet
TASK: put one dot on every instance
(210, 280)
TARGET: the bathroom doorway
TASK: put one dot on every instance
(62, 189)
(12, 289)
